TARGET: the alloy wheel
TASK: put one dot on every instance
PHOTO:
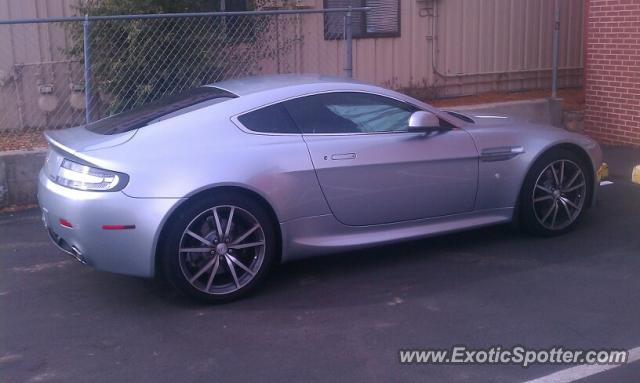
(222, 250)
(559, 194)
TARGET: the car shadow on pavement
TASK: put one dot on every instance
(396, 273)
(362, 276)
(423, 268)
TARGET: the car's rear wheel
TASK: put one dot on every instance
(555, 193)
(220, 248)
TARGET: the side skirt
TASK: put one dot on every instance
(320, 235)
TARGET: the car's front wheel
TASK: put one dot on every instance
(219, 248)
(555, 193)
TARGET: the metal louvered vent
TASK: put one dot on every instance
(384, 17)
(383, 20)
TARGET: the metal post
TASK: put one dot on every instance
(278, 43)
(348, 39)
(556, 47)
(87, 68)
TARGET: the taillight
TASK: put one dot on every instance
(84, 177)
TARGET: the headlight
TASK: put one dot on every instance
(82, 177)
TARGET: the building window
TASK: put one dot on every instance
(383, 20)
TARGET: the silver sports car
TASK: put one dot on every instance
(211, 187)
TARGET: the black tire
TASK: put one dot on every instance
(171, 256)
(531, 216)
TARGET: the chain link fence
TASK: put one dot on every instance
(59, 73)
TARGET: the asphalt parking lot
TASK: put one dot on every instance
(339, 318)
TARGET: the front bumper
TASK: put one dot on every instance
(130, 251)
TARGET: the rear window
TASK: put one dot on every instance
(270, 119)
(154, 111)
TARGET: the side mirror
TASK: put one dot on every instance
(422, 121)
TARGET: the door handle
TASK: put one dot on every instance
(343, 156)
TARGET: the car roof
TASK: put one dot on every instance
(254, 84)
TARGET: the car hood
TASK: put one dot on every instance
(492, 120)
(79, 139)
(483, 119)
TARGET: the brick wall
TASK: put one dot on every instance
(612, 74)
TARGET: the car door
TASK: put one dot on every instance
(373, 171)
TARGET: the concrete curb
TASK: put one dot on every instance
(18, 176)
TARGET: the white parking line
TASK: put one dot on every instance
(23, 245)
(43, 266)
(580, 372)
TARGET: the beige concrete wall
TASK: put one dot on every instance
(446, 48)
(510, 38)
(465, 46)
(28, 44)
(32, 56)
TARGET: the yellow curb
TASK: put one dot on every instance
(603, 172)
(636, 175)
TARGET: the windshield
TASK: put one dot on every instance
(189, 100)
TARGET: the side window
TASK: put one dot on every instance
(270, 119)
(349, 112)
